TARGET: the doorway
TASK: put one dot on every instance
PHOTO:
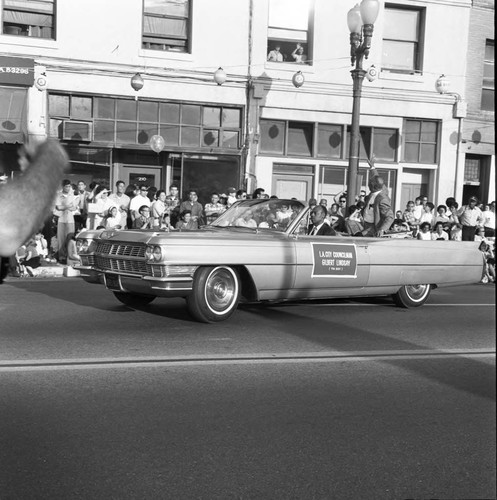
(293, 181)
(134, 174)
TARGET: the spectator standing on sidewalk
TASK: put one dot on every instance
(121, 200)
(193, 205)
(66, 205)
(82, 195)
(470, 216)
(489, 220)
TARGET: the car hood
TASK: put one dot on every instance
(194, 237)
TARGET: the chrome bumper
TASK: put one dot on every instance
(146, 285)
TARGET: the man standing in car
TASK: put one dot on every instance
(377, 213)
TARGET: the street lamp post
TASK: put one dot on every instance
(360, 20)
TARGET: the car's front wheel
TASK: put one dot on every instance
(215, 294)
(133, 299)
(412, 295)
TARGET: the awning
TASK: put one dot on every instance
(13, 115)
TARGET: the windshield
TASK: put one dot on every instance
(271, 214)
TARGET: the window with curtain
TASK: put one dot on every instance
(289, 28)
(33, 18)
(166, 25)
(488, 84)
(402, 39)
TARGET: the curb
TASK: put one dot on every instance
(44, 272)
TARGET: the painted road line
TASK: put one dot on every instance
(193, 360)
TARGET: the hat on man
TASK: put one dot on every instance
(231, 190)
(474, 198)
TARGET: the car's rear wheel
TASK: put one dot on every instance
(412, 295)
(215, 294)
(133, 299)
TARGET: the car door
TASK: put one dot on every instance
(327, 264)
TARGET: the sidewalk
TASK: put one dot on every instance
(46, 270)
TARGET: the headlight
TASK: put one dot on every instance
(85, 245)
(82, 245)
(154, 252)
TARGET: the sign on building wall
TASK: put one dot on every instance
(16, 71)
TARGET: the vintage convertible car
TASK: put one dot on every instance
(258, 250)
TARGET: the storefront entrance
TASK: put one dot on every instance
(135, 174)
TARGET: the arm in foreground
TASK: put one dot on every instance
(27, 200)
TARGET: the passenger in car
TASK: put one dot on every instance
(246, 220)
(319, 226)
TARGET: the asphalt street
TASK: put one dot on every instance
(326, 399)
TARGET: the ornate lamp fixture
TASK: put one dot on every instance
(360, 20)
(137, 82)
(220, 76)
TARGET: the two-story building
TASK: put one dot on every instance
(133, 90)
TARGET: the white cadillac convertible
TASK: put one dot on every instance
(258, 250)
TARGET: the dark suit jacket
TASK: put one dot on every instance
(324, 230)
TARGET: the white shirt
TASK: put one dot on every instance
(369, 210)
(489, 219)
(138, 201)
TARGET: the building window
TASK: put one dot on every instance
(383, 142)
(472, 171)
(126, 121)
(333, 181)
(488, 85)
(330, 140)
(402, 39)
(273, 136)
(300, 138)
(421, 141)
(166, 25)
(297, 139)
(289, 28)
(29, 18)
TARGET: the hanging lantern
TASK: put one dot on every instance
(137, 82)
(442, 84)
(298, 79)
(220, 76)
(157, 143)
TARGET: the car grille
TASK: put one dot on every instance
(121, 257)
(121, 265)
(124, 249)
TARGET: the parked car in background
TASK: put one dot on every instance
(249, 254)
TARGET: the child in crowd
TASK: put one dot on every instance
(439, 233)
(442, 216)
(143, 221)
(113, 219)
(427, 215)
(186, 222)
(480, 234)
(73, 257)
(424, 231)
(489, 270)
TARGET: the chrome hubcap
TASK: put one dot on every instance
(417, 292)
(220, 291)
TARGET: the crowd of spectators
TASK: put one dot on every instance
(79, 207)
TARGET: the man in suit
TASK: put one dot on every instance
(377, 213)
(320, 226)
